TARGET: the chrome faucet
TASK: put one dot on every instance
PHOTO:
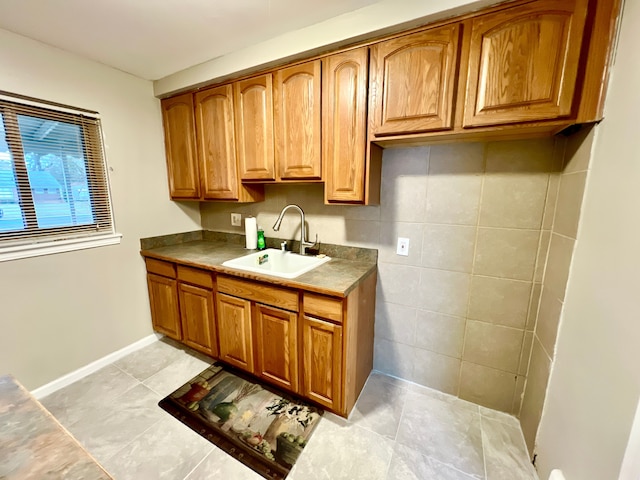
(303, 229)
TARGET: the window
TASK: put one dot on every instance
(53, 181)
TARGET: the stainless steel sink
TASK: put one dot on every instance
(276, 262)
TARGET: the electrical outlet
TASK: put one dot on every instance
(236, 219)
(403, 247)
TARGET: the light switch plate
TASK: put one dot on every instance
(236, 219)
(403, 247)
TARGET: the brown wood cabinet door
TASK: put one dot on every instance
(276, 346)
(296, 114)
(413, 79)
(234, 331)
(523, 63)
(197, 315)
(180, 145)
(163, 298)
(254, 127)
(344, 129)
(322, 357)
(217, 143)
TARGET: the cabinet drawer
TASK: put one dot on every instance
(323, 307)
(258, 292)
(195, 276)
(166, 269)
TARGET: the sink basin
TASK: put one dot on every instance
(276, 263)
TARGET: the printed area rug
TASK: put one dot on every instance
(258, 425)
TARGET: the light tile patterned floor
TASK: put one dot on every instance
(397, 431)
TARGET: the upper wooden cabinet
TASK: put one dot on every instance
(344, 125)
(254, 127)
(523, 63)
(215, 132)
(413, 80)
(217, 142)
(296, 94)
(180, 145)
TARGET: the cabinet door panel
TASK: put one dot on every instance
(196, 312)
(163, 298)
(413, 81)
(217, 143)
(344, 134)
(234, 331)
(276, 346)
(179, 138)
(523, 63)
(254, 127)
(296, 114)
(322, 346)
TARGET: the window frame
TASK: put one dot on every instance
(33, 240)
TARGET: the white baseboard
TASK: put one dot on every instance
(82, 372)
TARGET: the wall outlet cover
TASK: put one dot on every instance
(236, 219)
(403, 247)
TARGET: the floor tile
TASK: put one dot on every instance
(505, 452)
(445, 431)
(220, 465)
(87, 397)
(178, 373)
(500, 417)
(151, 359)
(408, 464)
(343, 452)
(133, 412)
(168, 450)
(379, 407)
(398, 430)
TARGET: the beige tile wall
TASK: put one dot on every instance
(458, 313)
(562, 217)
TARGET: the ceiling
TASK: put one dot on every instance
(155, 38)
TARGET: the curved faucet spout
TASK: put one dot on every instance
(303, 234)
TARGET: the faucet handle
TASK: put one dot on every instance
(283, 246)
(310, 244)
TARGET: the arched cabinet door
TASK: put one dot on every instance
(254, 127)
(413, 81)
(217, 143)
(523, 63)
(180, 145)
(344, 128)
(296, 118)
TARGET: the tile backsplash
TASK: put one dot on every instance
(455, 314)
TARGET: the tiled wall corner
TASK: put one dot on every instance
(560, 230)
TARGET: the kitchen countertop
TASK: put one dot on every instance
(336, 277)
(33, 444)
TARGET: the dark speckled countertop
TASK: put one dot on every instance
(209, 250)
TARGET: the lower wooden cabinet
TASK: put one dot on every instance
(276, 346)
(182, 305)
(163, 298)
(322, 362)
(317, 345)
(197, 318)
(235, 333)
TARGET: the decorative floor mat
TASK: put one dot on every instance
(258, 425)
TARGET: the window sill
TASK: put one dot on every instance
(57, 246)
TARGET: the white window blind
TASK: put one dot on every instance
(53, 179)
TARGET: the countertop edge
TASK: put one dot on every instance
(282, 282)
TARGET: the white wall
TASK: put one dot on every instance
(61, 312)
(595, 384)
